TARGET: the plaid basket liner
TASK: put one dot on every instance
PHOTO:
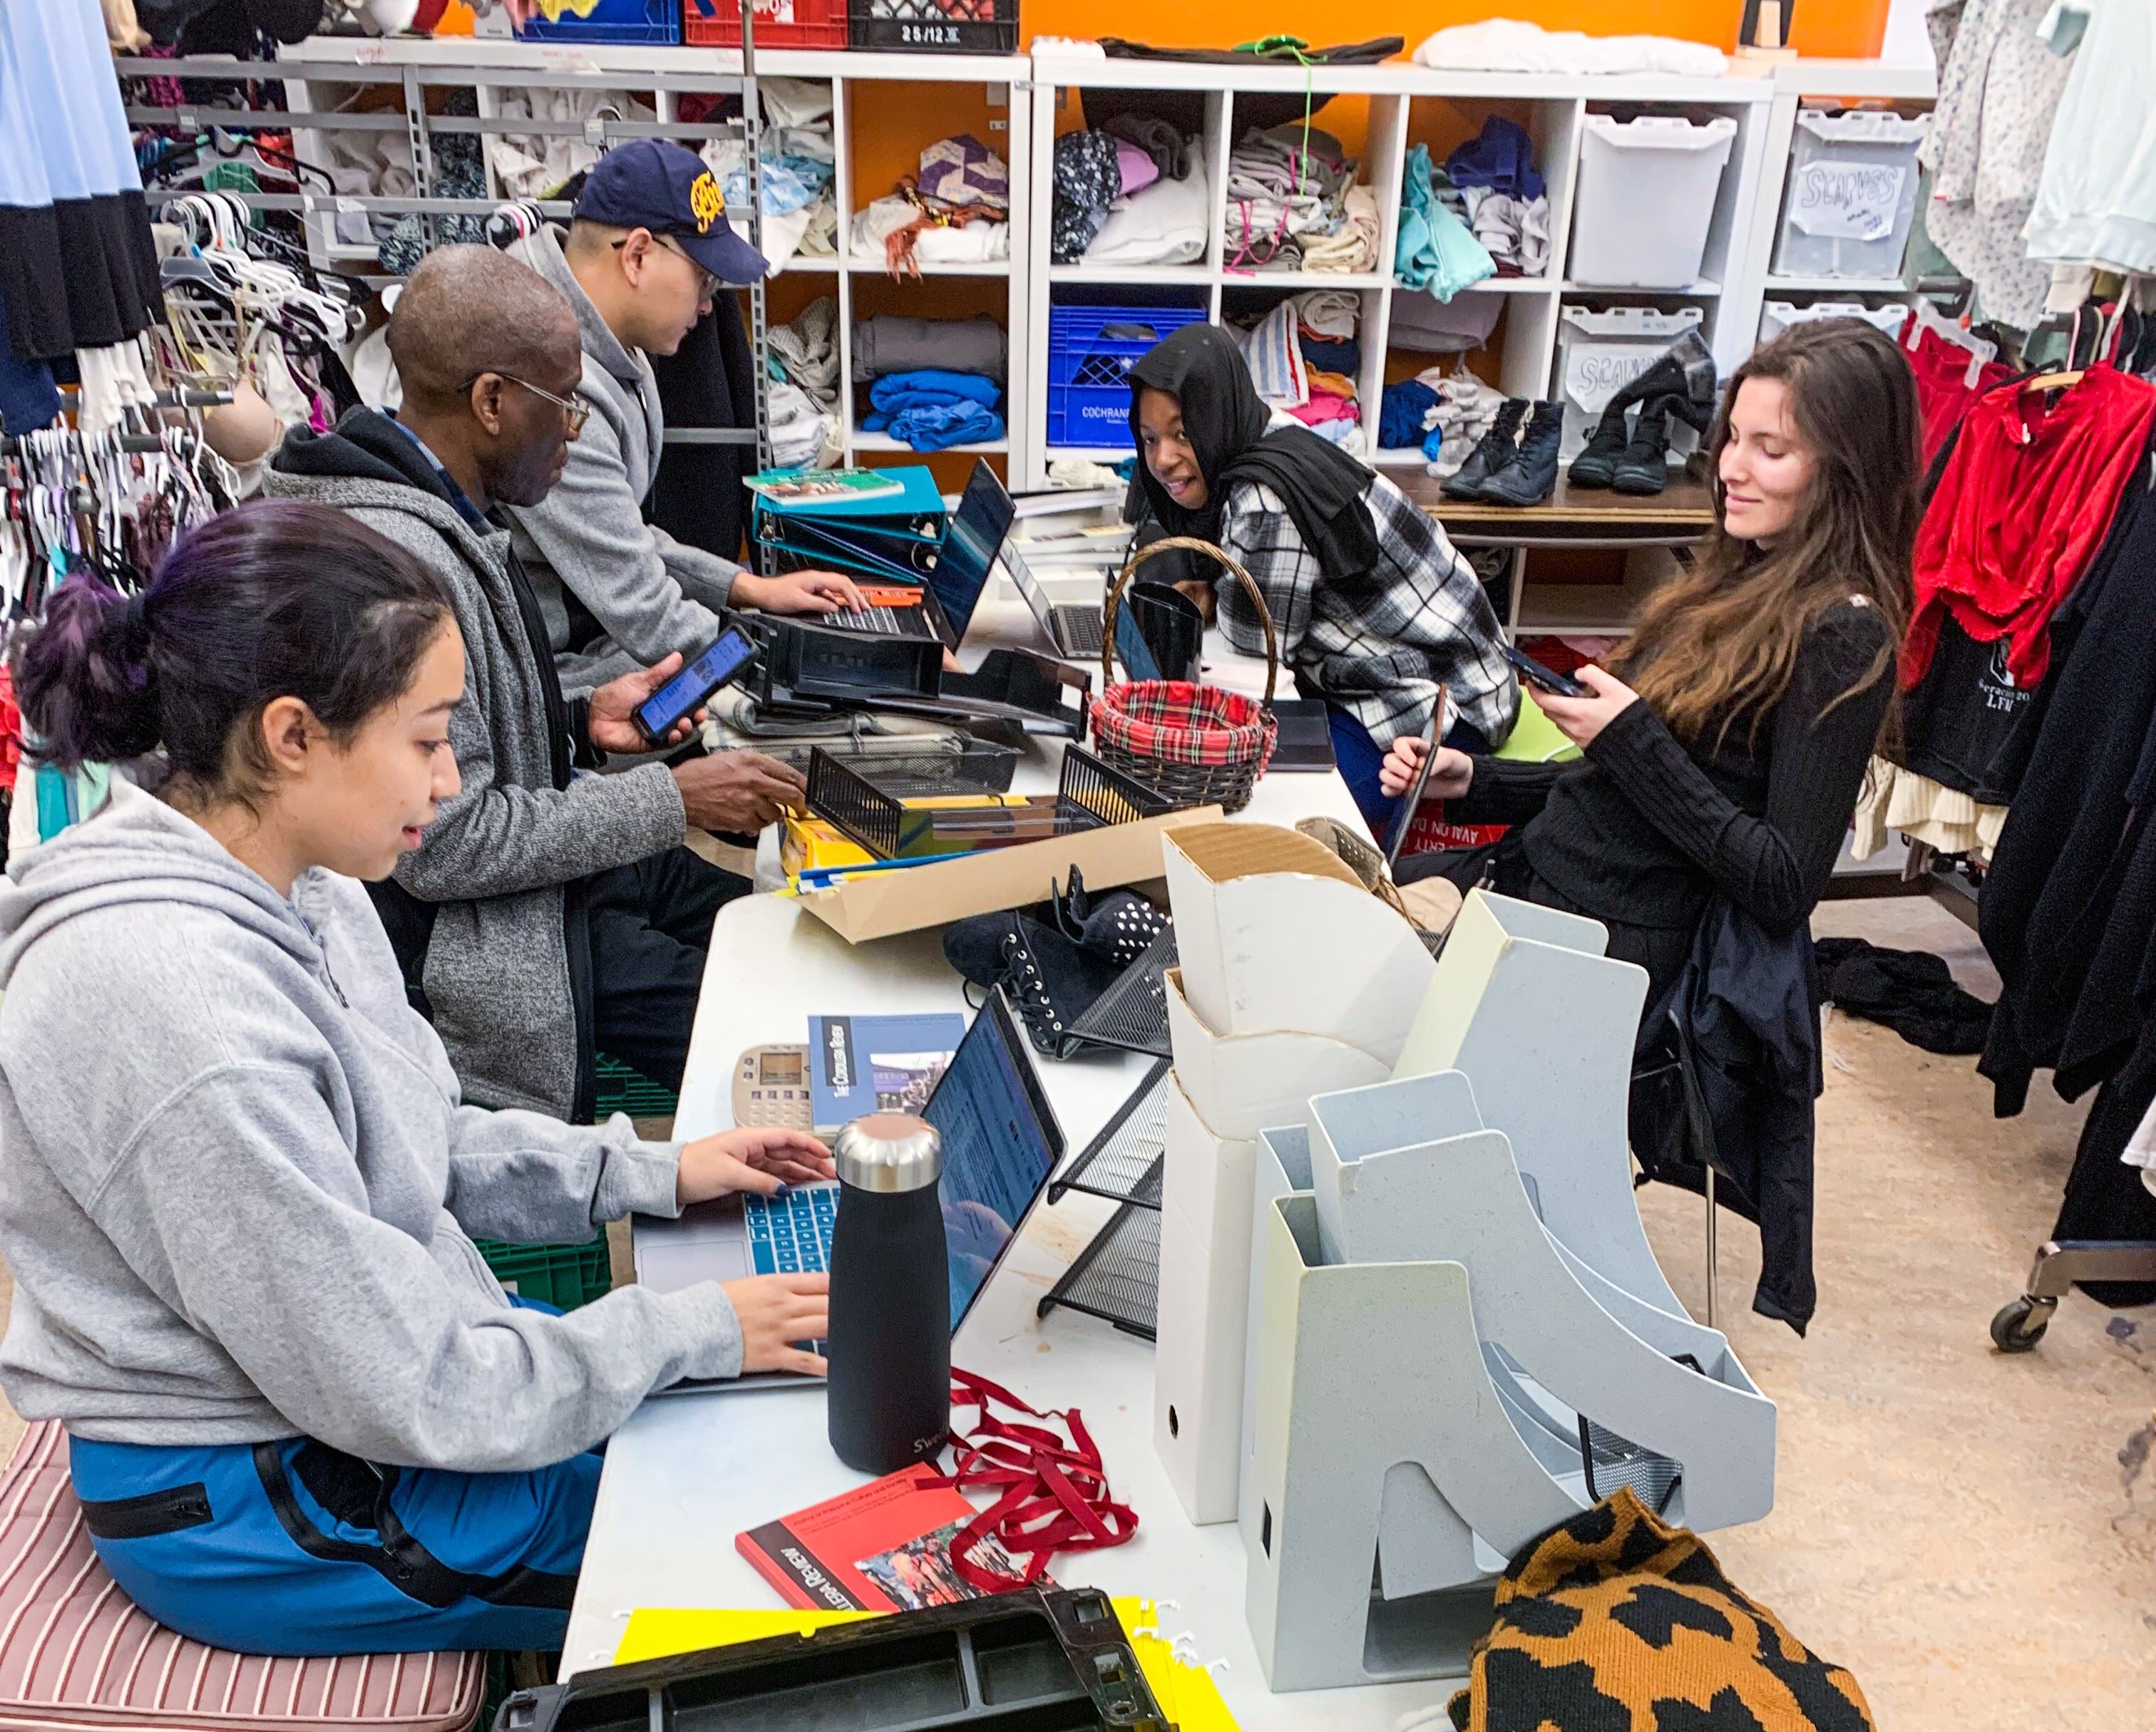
(1183, 723)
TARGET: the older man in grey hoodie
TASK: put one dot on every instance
(647, 250)
(551, 913)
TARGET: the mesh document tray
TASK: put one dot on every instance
(1132, 1014)
(1038, 1660)
(1123, 1163)
(867, 812)
(1117, 1276)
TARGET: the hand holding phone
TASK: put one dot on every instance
(687, 692)
(1547, 679)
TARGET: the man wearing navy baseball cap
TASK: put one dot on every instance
(648, 250)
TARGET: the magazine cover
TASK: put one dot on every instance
(877, 1064)
(801, 486)
(885, 1547)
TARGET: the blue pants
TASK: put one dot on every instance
(295, 1548)
(1359, 755)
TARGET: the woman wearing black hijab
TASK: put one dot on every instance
(1372, 606)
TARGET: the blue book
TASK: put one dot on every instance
(867, 1064)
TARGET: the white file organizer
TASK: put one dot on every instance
(1294, 981)
(1223, 1089)
(1542, 1023)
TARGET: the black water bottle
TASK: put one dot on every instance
(889, 1352)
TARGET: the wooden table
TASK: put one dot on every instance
(1678, 516)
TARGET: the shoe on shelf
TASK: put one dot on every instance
(1596, 465)
(1645, 467)
(1491, 453)
(1531, 477)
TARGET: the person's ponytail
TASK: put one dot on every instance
(275, 599)
(83, 679)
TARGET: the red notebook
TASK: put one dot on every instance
(884, 1547)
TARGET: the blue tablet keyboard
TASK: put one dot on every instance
(791, 1234)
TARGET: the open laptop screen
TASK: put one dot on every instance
(1001, 1144)
(971, 542)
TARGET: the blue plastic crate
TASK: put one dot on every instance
(636, 21)
(1089, 393)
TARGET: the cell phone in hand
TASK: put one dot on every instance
(1543, 679)
(688, 691)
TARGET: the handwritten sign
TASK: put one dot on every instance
(1593, 374)
(1841, 200)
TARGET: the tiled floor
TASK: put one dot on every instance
(1974, 1536)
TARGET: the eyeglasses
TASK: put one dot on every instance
(707, 285)
(576, 407)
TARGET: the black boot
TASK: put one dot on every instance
(1531, 477)
(1597, 462)
(1490, 454)
(1644, 467)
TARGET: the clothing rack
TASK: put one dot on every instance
(412, 82)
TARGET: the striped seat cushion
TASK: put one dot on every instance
(76, 1652)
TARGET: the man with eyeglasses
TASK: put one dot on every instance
(648, 250)
(550, 912)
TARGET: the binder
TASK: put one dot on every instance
(889, 535)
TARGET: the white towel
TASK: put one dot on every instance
(1164, 224)
(1507, 45)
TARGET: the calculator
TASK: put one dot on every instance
(771, 1089)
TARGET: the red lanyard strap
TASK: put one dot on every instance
(1053, 1492)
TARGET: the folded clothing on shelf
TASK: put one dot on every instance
(1285, 186)
(1089, 179)
(534, 165)
(803, 436)
(1514, 231)
(1408, 412)
(805, 353)
(900, 343)
(797, 163)
(1507, 45)
(1426, 326)
(1162, 224)
(1278, 349)
(1436, 250)
(1466, 409)
(1353, 247)
(1500, 159)
(930, 409)
(922, 240)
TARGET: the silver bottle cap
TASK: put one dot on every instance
(891, 1152)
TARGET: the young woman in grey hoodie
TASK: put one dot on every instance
(236, 1181)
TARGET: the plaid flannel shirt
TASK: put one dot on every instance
(1380, 642)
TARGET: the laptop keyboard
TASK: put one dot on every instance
(1079, 628)
(791, 1234)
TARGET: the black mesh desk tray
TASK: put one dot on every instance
(1116, 1278)
(1035, 1661)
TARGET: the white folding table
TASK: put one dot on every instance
(687, 1474)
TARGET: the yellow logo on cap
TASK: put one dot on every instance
(704, 204)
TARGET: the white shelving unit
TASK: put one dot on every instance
(1800, 83)
(339, 67)
(1520, 356)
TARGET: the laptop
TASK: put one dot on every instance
(1074, 628)
(941, 606)
(1001, 1142)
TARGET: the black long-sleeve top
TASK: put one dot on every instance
(1643, 831)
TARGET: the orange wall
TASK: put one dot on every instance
(1822, 27)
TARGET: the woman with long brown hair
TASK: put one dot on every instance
(1725, 745)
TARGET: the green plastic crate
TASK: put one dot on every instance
(623, 1090)
(563, 1276)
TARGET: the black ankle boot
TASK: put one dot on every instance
(1531, 477)
(1597, 462)
(1645, 467)
(1490, 454)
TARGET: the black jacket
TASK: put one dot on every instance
(1748, 1006)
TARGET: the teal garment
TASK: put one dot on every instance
(65, 797)
(1437, 251)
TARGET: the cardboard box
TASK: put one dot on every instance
(911, 899)
(1276, 935)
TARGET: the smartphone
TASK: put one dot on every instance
(659, 715)
(1547, 678)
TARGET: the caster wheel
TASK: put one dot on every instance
(2020, 1325)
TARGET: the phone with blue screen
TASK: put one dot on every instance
(659, 715)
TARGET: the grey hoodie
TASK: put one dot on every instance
(236, 1182)
(650, 593)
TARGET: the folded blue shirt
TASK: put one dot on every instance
(895, 391)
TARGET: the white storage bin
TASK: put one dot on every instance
(1851, 196)
(1598, 354)
(1647, 191)
(1777, 316)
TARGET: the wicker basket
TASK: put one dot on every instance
(1198, 745)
